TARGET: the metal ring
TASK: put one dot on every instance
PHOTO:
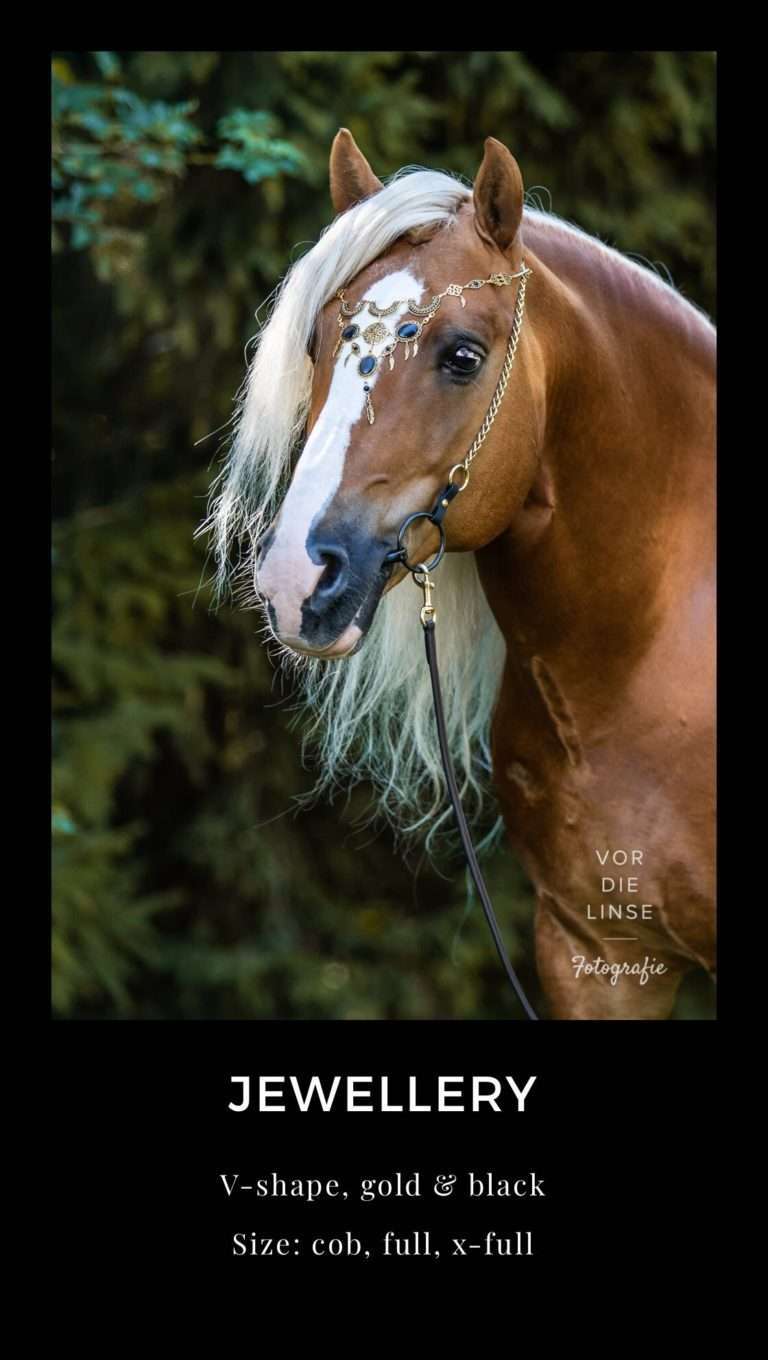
(458, 467)
(421, 566)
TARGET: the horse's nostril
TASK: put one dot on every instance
(334, 578)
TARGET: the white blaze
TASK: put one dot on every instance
(287, 575)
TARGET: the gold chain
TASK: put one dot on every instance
(421, 573)
(501, 386)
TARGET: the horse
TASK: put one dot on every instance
(576, 597)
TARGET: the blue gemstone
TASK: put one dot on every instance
(408, 330)
(349, 332)
(368, 364)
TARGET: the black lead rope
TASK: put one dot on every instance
(461, 822)
(436, 516)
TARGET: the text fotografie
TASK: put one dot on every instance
(381, 1095)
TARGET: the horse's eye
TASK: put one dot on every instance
(463, 360)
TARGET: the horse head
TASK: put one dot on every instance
(399, 335)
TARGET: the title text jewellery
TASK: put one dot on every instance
(499, 1093)
(406, 332)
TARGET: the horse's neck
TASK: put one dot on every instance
(614, 544)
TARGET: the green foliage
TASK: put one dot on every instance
(109, 144)
(252, 150)
(184, 184)
(112, 149)
(104, 932)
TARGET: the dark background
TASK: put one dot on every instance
(184, 184)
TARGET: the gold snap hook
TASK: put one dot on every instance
(428, 610)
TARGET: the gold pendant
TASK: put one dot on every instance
(374, 333)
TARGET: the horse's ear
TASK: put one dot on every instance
(351, 176)
(498, 196)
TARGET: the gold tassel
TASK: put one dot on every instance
(369, 408)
